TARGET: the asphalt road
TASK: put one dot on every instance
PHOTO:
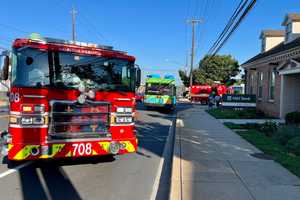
(131, 176)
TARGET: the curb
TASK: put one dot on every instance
(176, 161)
(166, 156)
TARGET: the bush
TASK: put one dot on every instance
(252, 126)
(292, 118)
(285, 133)
(269, 128)
(293, 145)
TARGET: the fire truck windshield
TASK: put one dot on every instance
(39, 68)
(159, 89)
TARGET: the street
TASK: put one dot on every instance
(130, 176)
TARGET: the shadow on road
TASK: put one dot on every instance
(49, 182)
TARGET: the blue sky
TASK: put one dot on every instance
(154, 31)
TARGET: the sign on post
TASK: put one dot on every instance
(238, 101)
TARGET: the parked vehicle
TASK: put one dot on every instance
(160, 92)
(69, 99)
(200, 93)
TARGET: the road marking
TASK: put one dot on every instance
(10, 171)
(161, 163)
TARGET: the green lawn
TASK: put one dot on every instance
(220, 113)
(272, 148)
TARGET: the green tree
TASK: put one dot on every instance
(215, 68)
(184, 78)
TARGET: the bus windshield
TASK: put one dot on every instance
(159, 89)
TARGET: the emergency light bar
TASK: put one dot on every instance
(39, 38)
(153, 76)
(171, 77)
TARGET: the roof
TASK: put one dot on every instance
(292, 16)
(160, 80)
(277, 49)
(272, 33)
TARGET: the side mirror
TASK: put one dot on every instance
(4, 68)
(138, 77)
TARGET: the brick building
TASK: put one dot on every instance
(274, 74)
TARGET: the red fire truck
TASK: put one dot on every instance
(200, 93)
(69, 99)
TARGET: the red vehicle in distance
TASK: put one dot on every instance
(200, 93)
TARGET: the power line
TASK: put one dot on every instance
(231, 20)
(235, 26)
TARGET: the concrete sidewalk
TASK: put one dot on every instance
(211, 162)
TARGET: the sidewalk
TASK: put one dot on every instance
(211, 162)
(251, 121)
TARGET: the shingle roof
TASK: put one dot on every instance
(292, 16)
(279, 48)
(272, 33)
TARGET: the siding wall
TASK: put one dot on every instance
(264, 104)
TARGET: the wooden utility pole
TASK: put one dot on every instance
(73, 13)
(193, 22)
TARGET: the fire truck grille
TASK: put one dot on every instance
(70, 120)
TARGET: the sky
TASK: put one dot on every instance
(154, 31)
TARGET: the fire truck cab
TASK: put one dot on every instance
(69, 99)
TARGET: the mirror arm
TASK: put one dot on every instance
(4, 84)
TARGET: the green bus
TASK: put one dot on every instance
(160, 92)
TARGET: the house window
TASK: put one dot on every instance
(271, 85)
(260, 84)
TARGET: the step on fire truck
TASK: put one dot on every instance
(69, 99)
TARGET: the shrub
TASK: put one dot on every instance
(285, 133)
(293, 145)
(252, 126)
(260, 114)
(269, 128)
(292, 118)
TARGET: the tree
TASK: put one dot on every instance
(215, 68)
(184, 78)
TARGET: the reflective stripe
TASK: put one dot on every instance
(55, 149)
(94, 152)
(9, 146)
(25, 152)
(69, 154)
(105, 146)
(129, 146)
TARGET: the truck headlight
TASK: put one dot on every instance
(124, 119)
(124, 110)
(38, 120)
(26, 120)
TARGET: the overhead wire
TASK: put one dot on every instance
(229, 25)
(247, 10)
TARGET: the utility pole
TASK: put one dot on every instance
(193, 22)
(186, 63)
(73, 13)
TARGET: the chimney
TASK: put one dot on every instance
(270, 39)
(292, 26)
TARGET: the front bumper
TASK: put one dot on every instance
(60, 149)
